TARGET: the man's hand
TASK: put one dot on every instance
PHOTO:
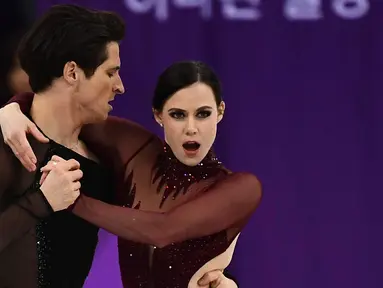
(216, 279)
(14, 127)
(52, 164)
(61, 183)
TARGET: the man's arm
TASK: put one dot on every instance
(23, 202)
(18, 214)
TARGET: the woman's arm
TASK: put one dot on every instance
(15, 125)
(230, 281)
(211, 273)
(226, 205)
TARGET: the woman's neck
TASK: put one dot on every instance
(175, 177)
(209, 160)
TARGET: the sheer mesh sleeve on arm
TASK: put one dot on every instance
(18, 213)
(116, 140)
(225, 206)
(24, 100)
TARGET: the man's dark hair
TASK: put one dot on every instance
(67, 33)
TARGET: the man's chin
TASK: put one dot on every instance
(107, 111)
(98, 118)
(104, 117)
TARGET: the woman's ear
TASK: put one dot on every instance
(157, 117)
(221, 111)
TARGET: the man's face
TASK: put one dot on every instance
(95, 93)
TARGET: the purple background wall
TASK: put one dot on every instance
(303, 87)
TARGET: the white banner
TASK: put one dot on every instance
(251, 10)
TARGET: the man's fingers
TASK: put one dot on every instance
(76, 193)
(56, 158)
(43, 177)
(49, 167)
(71, 164)
(37, 134)
(53, 163)
(76, 175)
(210, 277)
(58, 162)
(76, 186)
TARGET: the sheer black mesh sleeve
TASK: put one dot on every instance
(19, 212)
(227, 205)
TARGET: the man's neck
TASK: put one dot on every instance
(58, 118)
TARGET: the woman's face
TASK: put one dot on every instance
(190, 119)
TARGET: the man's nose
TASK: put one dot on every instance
(119, 87)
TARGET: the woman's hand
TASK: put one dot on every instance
(216, 279)
(14, 127)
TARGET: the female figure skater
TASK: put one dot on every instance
(177, 207)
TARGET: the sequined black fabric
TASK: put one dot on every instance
(144, 266)
(176, 177)
(63, 237)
